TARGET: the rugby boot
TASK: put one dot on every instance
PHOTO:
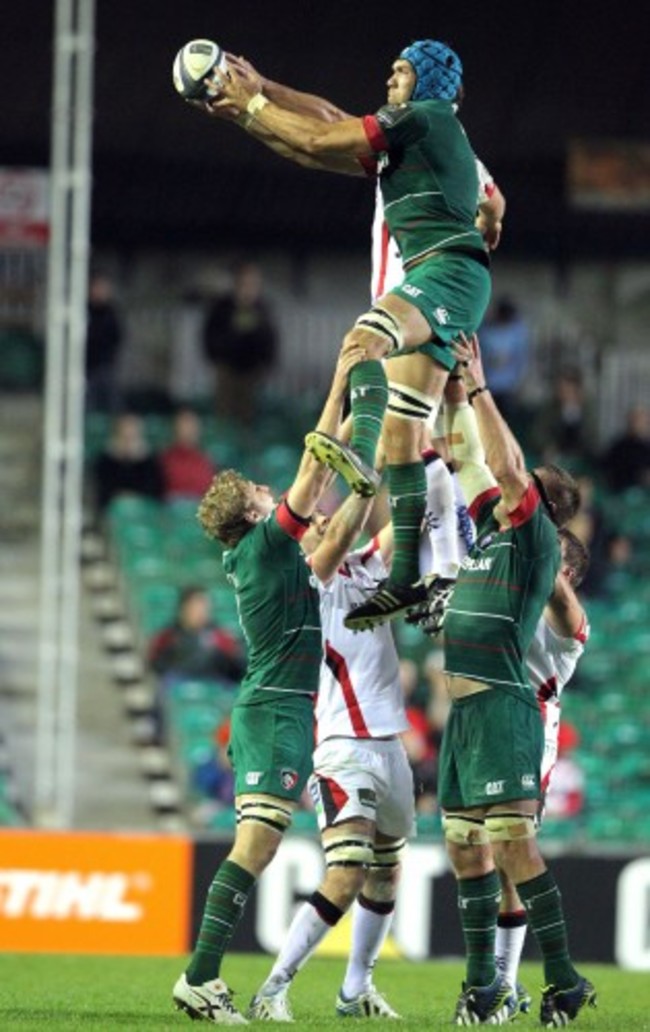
(387, 603)
(494, 1004)
(359, 476)
(560, 1006)
(210, 1000)
(368, 1004)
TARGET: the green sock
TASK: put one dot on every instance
(478, 901)
(224, 906)
(543, 902)
(407, 488)
(368, 398)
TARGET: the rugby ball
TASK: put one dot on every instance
(194, 63)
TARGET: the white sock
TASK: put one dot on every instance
(508, 947)
(369, 929)
(306, 931)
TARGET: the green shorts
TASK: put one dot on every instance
(271, 747)
(491, 751)
(452, 291)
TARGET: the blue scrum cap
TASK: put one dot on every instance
(438, 69)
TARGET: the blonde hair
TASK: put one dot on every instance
(222, 511)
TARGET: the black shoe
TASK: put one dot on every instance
(430, 615)
(494, 1004)
(388, 602)
(560, 1006)
(359, 476)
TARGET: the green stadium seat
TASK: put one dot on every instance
(155, 605)
(223, 820)
(560, 830)
(127, 509)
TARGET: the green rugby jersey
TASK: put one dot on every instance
(278, 610)
(428, 177)
(503, 585)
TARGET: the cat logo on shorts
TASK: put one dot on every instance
(288, 778)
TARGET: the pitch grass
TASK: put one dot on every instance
(72, 993)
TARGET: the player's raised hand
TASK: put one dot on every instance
(348, 358)
(467, 352)
(244, 68)
(232, 89)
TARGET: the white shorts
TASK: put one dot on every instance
(364, 778)
(551, 735)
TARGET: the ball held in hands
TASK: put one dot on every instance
(198, 60)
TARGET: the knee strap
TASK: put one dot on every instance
(510, 827)
(348, 851)
(464, 830)
(407, 403)
(265, 810)
(384, 325)
(388, 855)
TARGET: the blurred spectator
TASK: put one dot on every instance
(103, 344)
(611, 569)
(127, 465)
(564, 429)
(505, 347)
(626, 463)
(588, 524)
(187, 469)
(213, 778)
(566, 794)
(240, 340)
(194, 645)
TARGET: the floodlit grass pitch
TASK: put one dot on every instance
(70, 992)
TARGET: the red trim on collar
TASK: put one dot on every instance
(370, 549)
(481, 499)
(375, 133)
(582, 634)
(369, 166)
(528, 504)
(294, 526)
(429, 455)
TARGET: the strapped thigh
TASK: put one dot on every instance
(510, 826)
(388, 854)
(351, 850)
(409, 403)
(263, 809)
(464, 829)
(380, 322)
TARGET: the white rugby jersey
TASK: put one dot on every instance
(551, 662)
(387, 271)
(359, 695)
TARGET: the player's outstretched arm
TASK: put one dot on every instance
(464, 442)
(502, 451)
(286, 96)
(302, 132)
(563, 610)
(343, 530)
(291, 100)
(313, 477)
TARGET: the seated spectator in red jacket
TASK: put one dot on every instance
(194, 645)
(127, 464)
(187, 469)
